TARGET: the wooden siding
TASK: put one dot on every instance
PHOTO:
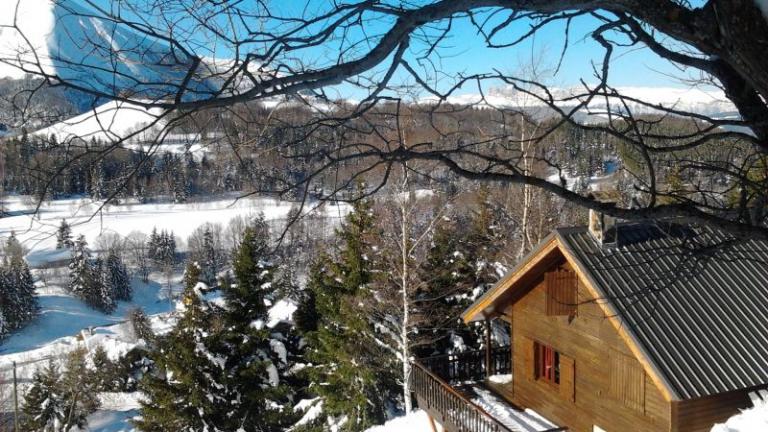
(699, 415)
(585, 341)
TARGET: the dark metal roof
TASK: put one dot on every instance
(695, 300)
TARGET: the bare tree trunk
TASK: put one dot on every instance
(405, 248)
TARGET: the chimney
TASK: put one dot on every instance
(602, 226)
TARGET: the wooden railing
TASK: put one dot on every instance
(431, 378)
(471, 365)
(449, 407)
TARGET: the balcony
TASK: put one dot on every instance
(468, 392)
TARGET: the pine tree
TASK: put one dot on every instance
(222, 371)
(87, 280)
(211, 265)
(13, 248)
(18, 303)
(64, 235)
(152, 244)
(164, 248)
(346, 375)
(58, 401)
(187, 395)
(141, 326)
(79, 268)
(258, 381)
(100, 293)
(451, 277)
(78, 390)
(117, 277)
(44, 409)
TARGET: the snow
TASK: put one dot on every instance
(110, 421)
(62, 317)
(274, 376)
(500, 379)
(754, 419)
(110, 122)
(527, 420)
(37, 232)
(282, 311)
(417, 421)
(458, 343)
(120, 401)
(279, 349)
(698, 100)
(311, 408)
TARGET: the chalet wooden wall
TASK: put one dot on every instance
(588, 339)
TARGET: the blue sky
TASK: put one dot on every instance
(464, 51)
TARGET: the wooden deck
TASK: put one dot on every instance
(457, 407)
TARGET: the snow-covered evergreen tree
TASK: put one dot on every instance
(117, 277)
(100, 292)
(152, 244)
(211, 264)
(59, 400)
(163, 249)
(190, 393)
(64, 235)
(44, 409)
(87, 280)
(346, 376)
(79, 268)
(222, 367)
(18, 302)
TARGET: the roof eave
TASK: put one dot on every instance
(477, 311)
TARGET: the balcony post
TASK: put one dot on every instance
(488, 361)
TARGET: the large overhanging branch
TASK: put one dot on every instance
(721, 41)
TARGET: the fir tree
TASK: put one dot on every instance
(152, 244)
(58, 401)
(222, 372)
(117, 277)
(140, 324)
(44, 409)
(18, 303)
(79, 268)
(211, 264)
(87, 281)
(187, 395)
(78, 390)
(342, 347)
(99, 292)
(13, 248)
(64, 235)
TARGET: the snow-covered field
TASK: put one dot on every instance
(37, 231)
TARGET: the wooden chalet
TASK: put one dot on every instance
(616, 328)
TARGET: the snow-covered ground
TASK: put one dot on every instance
(417, 421)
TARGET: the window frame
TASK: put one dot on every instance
(546, 361)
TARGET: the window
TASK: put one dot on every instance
(547, 361)
(627, 384)
(562, 292)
